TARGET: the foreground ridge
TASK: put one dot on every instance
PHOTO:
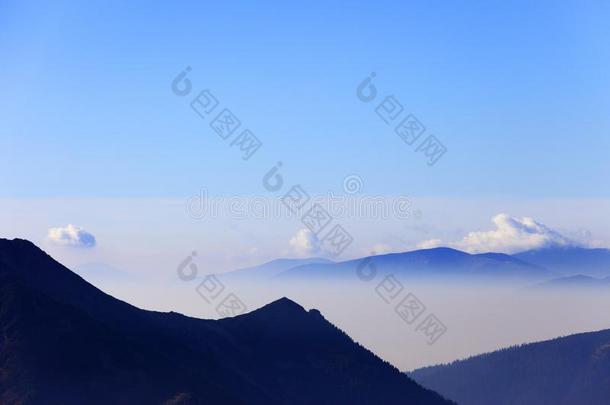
(67, 342)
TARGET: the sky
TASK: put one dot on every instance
(93, 136)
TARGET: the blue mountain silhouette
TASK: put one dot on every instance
(570, 260)
(572, 370)
(66, 342)
(428, 263)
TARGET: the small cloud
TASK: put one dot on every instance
(71, 235)
(381, 248)
(305, 243)
(429, 244)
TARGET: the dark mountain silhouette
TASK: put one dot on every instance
(570, 260)
(572, 370)
(429, 263)
(66, 342)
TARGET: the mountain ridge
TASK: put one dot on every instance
(435, 262)
(570, 260)
(97, 349)
(567, 370)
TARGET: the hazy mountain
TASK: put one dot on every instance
(573, 282)
(64, 341)
(96, 272)
(570, 260)
(272, 268)
(433, 263)
(572, 370)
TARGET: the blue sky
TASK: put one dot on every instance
(92, 135)
(517, 92)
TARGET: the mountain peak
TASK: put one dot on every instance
(283, 304)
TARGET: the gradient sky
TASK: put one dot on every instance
(518, 93)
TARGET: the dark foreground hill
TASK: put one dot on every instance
(63, 341)
(572, 370)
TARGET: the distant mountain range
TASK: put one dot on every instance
(429, 263)
(572, 370)
(446, 263)
(66, 342)
(574, 282)
(96, 273)
(273, 268)
(570, 260)
(426, 263)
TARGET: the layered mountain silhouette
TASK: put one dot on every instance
(427, 263)
(572, 370)
(66, 342)
(570, 260)
(533, 265)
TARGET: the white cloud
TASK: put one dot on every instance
(71, 235)
(305, 243)
(429, 244)
(512, 235)
(509, 236)
(381, 248)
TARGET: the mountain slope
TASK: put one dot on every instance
(64, 341)
(571, 370)
(55, 353)
(570, 260)
(437, 262)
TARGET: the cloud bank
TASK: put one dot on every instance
(71, 235)
(509, 236)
